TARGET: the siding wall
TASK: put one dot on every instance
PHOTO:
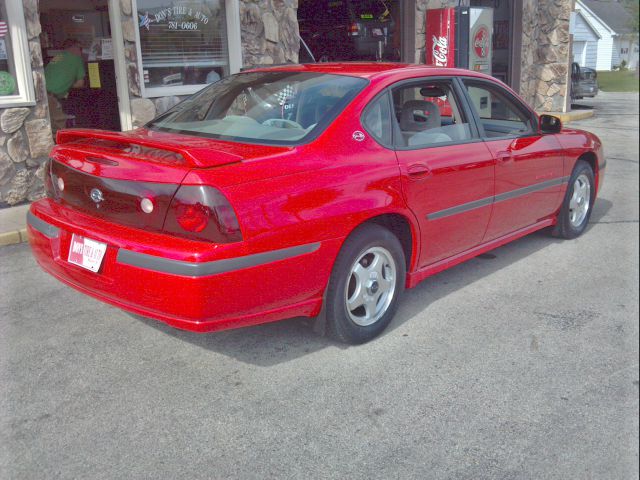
(615, 52)
(605, 44)
(582, 32)
(630, 42)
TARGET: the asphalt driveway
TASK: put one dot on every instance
(521, 364)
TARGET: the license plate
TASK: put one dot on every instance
(86, 253)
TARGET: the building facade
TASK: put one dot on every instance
(143, 58)
(603, 35)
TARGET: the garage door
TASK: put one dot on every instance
(579, 53)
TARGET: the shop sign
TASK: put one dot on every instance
(178, 18)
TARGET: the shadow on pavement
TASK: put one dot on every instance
(279, 342)
(577, 106)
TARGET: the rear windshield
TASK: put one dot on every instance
(277, 108)
(587, 74)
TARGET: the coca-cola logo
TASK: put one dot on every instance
(440, 51)
(481, 42)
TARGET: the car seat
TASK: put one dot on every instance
(419, 115)
(312, 112)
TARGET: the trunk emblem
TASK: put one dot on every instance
(96, 195)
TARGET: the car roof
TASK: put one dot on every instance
(370, 70)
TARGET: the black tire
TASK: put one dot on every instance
(570, 226)
(368, 245)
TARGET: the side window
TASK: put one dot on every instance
(376, 119)
(499, 115)
(428, 114)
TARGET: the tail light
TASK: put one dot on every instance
(354, 29)
(50, 181)
(202, 213)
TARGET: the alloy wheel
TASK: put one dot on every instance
(580, 201)
(371, 286)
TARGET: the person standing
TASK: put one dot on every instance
(64, 72)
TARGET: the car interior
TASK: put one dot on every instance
(429, 115)
(273, 106)
(499, 117)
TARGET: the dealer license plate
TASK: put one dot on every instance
(86, 253)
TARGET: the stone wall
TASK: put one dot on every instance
(545, 53)
(269, 32)
(25, 132)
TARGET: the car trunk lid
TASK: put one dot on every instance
(109, 174)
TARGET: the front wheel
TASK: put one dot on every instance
(365, 285)
(578, 202)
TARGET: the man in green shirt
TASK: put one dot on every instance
(64, 72)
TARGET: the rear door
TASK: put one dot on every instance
(447, 170)
(529, 165)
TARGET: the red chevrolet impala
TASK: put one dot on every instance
(318, 190)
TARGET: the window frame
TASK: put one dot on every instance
(519, 105)
(21, 59)
(459, 96)
(386, 92)
(232, 14)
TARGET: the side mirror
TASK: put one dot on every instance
(550, 124)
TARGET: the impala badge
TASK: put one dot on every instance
(358, 136)
(96, 195)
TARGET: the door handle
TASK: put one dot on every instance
(419, 170)
(505, 156)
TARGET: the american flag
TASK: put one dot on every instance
(3, 29)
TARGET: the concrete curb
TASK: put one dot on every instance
(572, 116)
(12, 238)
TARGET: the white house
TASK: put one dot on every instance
(602, 35)
(585, 40)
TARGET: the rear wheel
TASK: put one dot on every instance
(578, 202)
(366, 283)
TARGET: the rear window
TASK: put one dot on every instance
(587, 74)
(277, 108)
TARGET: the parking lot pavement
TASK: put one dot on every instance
(522, 364)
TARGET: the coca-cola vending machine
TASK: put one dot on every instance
(460, 37)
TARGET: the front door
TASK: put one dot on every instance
(529, 165)
(447, 171)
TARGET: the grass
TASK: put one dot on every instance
(620, 81)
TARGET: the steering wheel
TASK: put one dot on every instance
(281, 123)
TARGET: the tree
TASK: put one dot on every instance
(634, 7)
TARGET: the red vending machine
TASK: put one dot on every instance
(460, 37)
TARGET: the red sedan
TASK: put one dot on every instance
(317, 191)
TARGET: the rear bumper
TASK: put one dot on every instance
(179, 285)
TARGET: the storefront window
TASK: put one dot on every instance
(16, 84)
(183, 45)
